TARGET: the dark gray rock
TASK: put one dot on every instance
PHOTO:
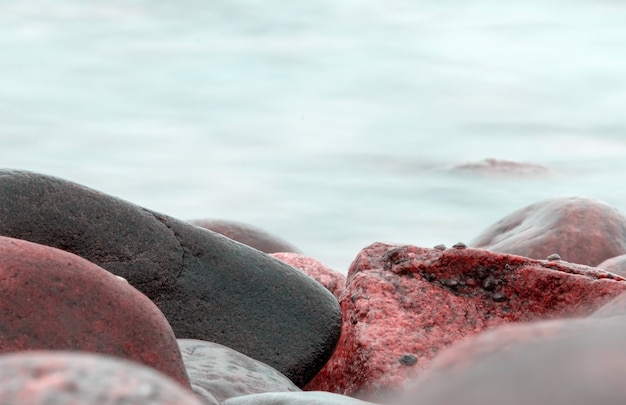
(208, 286)
(218, 372)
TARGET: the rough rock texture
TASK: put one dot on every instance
(208, 286)
(616, 265)
(583, 366)
(217, 372)
(331, 279)
(403, 304)
(54, 300)
(580, 230)
(295, 398)
(246, 234)
(71, 378)
(504, 167)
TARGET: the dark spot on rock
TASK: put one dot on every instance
(498, 296)
(490, 283)
(408, 360)
(440, 246)
(354, 297)
(452, 283)
(481, 273)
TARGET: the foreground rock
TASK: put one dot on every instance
(208, 286)
(295, 398)
(329, 278)
(403, 304)
(54, 300)
(218, 372)
(579, 230)
(50, 377)
(246, 234)
(584, 366)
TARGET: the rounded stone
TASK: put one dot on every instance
(578, 229)
(247, 234)
(329, 278)
(53, 300)
(616, 265)
(61, 378)
(295, 398)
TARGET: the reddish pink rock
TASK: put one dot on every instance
(331, 279)
(71, 378)
(504, 167)
(583, 363)
(616, 265)
(580, 230)
(403, 304)
(615, 307)
(246, 234)
(54, 300)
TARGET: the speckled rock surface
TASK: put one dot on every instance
(329, 278)
(217, 372)
(403, 304)
(208, 286)
(71, 378)
(578, 229)
(295, 398)
(247, 234)
(53, 300)
(584, 366)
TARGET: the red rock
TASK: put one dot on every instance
(218, 372)
(580, 230)
(504, 167)
(71, 378)
(246, 234)
(54, 300)
(403, 304)
(616, 265)
(583, 363)
(329, 278)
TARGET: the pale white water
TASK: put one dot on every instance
(328, 123)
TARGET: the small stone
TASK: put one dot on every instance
(554, 257)
(498, 297)
(459, 245)
(440, 246)
(408, 360)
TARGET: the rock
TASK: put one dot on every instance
(208, 286)
(218, 372)
(403, 304)
(586, 365)
(580, 230)
(615, 307)
(331, 279)
(504, 167)
(51, 377)
(54, 300)
(295, 398)
(616, 265)
(246, 234)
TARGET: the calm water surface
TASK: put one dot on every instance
(331, 123)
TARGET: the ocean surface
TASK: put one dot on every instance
(332, 124)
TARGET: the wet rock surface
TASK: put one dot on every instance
(247, 234)
(208, 286)
(53, 300)
(580, 230)
(329, 278)
(57, 377)
(217, 372)
(403, 304)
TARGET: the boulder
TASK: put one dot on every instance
(616, 265)
(217, 372)
(578, 229)
(58, 377)
(403, 304)
(53, 300)
(583, 366)
(208, 286)
(329, 278)
(246, 234)
(295, 398)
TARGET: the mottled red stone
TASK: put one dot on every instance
(575, 363)
(247, 234)
(329, 278)
(403, 304)
(578, 229)
(616, 265)
(71, 378)
(54, 300)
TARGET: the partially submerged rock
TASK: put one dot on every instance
(578, 229)
(403, 304)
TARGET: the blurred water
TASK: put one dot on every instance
(332, 123)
